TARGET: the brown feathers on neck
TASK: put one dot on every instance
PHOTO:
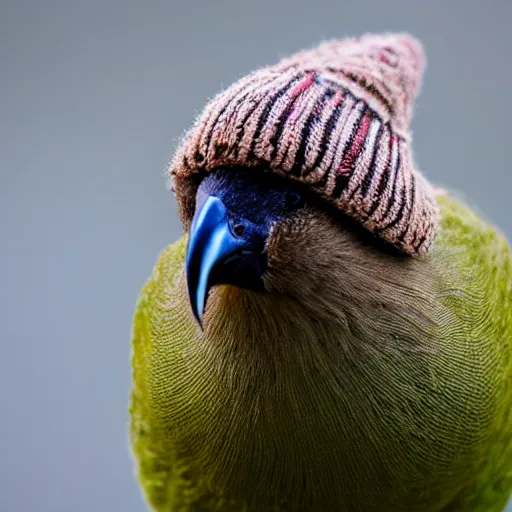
(344, 334)
(332, 294)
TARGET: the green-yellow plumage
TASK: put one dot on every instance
(398, 397)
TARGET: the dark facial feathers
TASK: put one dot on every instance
(235, 213)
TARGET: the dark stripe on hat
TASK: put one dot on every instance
(274, 140)
(346, 96)
(233, 101)
(341, 184)
(312, 119)
(383, 180)
(266, 111)
(411, 209)
(421, 240)
(398, 216)
(240, 133)
(371, 89)
(198, 155)
(331, 122)
(365, 186)
(392, 198)
(370, 171)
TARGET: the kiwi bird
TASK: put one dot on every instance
(332, 332)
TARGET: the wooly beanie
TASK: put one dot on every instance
(336, 118)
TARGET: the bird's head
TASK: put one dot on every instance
(293, 178)
(259, 232)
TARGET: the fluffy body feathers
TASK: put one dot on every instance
(367, 381)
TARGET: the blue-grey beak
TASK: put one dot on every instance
(221, 251)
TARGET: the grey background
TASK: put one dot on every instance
(93, 96)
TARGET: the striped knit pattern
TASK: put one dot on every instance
(335, 117)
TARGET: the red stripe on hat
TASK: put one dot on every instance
(351, 155)
(337, 99)
(302, 85)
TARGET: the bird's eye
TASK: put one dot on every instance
(294, 199)
(239, 229)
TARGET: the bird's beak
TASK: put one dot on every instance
(216, 255)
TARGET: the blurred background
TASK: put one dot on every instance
(93, 97)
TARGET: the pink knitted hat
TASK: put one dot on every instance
(336, 118)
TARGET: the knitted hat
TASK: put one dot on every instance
(336, 118)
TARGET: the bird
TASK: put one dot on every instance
(332, 332)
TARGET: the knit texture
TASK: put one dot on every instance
(336, 118)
